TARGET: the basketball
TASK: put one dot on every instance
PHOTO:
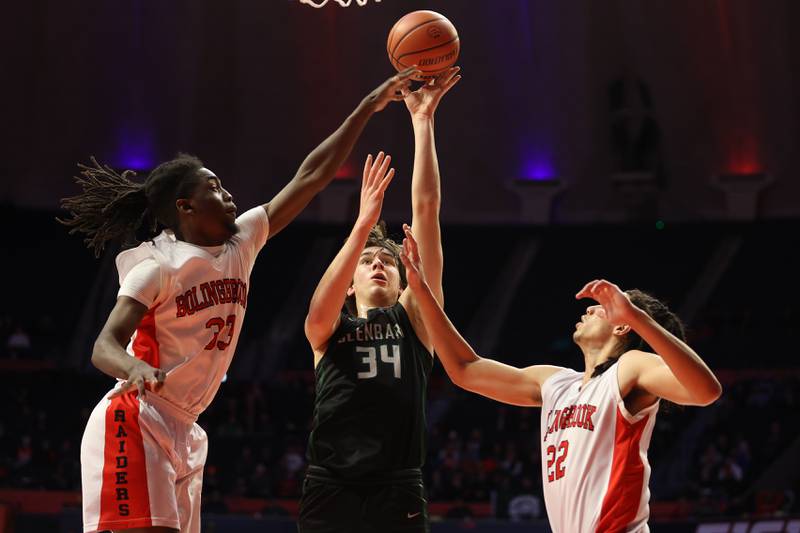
(426, 39)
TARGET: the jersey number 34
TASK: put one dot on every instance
(371, 360)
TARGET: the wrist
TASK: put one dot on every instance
(362, 227)
(638, 318)
(421, 119)
(134, 365)
(368, 105)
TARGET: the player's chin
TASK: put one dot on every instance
(382, 292)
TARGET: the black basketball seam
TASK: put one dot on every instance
(425, 49)
(411, 30)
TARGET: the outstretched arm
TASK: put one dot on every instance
(425, 181)
(326, 303)
(468, 370)
(320, 166)
(677, 373)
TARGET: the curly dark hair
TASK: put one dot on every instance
(656, 309)
(114, 207)
(379, 236)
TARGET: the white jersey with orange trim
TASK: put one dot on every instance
(594, 455)
(196, 298)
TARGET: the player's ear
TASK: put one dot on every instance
(184, 205)
(621, 329)
(351, 290)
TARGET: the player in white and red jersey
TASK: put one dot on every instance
(596, 424)
(179, 311)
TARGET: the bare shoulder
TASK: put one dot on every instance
(632, 364)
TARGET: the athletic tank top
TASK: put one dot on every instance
(369, 410)
(191, 329)
(594, 455)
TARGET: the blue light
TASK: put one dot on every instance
(134, 150)
(538, 168)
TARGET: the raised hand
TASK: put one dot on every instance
(143, 376)
(615, 302)
(410, 258)
(392, 90)
(374, 182)
(422, 103)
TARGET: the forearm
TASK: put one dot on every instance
(687, 366)
(320, 166)
(425, 183)
(329, 295)
(110, 358)
(452, 350)
(425, 203)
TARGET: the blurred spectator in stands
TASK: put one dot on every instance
(292, 468)
(18, 344)
(213, 502)
(260, 484)
(526, 505)
(460, 511)
(450, 456)
(730, 476)
(501, 494)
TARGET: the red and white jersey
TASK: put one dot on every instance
(196, 298)
(595, 471)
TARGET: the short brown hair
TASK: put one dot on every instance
(379, 236)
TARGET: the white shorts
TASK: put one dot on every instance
(141, 465)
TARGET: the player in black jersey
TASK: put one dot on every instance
(367, 444)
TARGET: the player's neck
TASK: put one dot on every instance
(363, 307)
(595, 355)
(196, 238)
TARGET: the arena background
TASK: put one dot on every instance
(651, 143)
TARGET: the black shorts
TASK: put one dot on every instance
(395, 502)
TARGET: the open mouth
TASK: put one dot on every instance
(379, 277)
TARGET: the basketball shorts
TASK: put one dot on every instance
(394, 503)
(141, 465)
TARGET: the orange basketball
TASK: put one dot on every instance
(426, 39)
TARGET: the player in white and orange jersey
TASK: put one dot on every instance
(181, 303)
(596, 424)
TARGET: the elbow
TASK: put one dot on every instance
(310, 178)
(315, 175)
(97, 350)
(460, 374)
(428, 205)
(711, 394)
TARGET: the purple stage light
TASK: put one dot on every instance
(538, 168)
(134, 151)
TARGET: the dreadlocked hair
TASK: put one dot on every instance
(659, 312)
(379, 236)
(113, 207)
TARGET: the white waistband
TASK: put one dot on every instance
(165, 405)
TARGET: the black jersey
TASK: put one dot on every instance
(369, 411)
